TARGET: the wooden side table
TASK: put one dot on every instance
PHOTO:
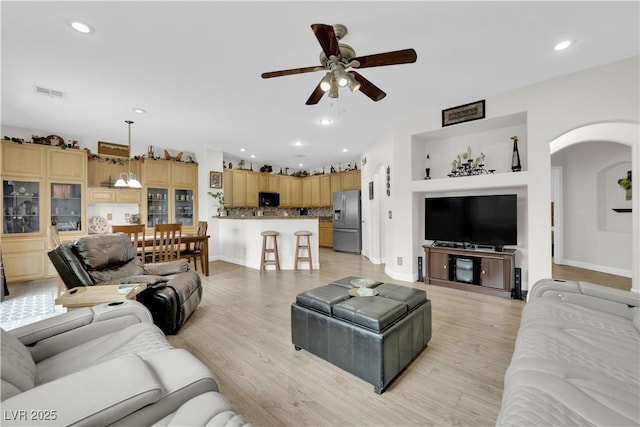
(87, 296)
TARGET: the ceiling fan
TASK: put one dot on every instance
(337, 57)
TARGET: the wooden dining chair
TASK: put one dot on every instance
(166, 242)
(136, 234)
(194, 253)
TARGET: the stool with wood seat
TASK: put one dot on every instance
(301, 247)
(264, 261)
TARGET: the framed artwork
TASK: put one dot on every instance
(463, 113)
(215, 179)
(112, 149)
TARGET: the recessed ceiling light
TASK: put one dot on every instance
(298, 143)
(81, 27)
(325, 121)
(562, 45)
(300, 164)
(242, 150)
(344, 150)
(253, 156)
(139, 110)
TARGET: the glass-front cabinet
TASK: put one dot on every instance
(66, 206)
(157, 206)
(184, 207)
(21, 204)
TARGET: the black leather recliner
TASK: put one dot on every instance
(173, 290)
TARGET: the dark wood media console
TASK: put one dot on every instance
(477, 270)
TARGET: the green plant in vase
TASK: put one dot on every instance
(626, 184)
(219, 196)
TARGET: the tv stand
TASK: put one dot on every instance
(495, 269)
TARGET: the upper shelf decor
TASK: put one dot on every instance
(464, 165)
(463, 113)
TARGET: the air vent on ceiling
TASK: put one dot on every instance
(49, 92)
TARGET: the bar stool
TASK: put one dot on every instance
(274, 250)
(300, 246)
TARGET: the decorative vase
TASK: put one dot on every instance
(515, 156)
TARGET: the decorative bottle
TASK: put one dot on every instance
(515, 157)
(427, 168)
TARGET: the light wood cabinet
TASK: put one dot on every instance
(325, 228)
(67, 165)
(239, 183)
(184, 175)
(269, 183)
(43, 184)
(156, 173)
(253, 187)
(227, 187)
(351, 180)
(102, 172)
(284, 188)
(336, 184)
(315, 191)
(114, 195)
(326, 198)
(23, 160)
(306, 192)
(296, 192)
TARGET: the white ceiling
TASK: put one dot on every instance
(195, 67)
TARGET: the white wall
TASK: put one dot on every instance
(594, 235)
(553, 107)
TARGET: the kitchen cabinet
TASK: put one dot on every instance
(284, 189)
(325, 229)
(326, 198)
(239, 183)
(253, 187)
(336, 184)
(296, 192)
(306, 192)
(351, 180)
(227, 187)
(270, 183)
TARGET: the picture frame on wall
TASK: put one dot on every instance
(215, 179)
(463, 113)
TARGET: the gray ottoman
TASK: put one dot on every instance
(374, 337)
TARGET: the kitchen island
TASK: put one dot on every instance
(238, 240)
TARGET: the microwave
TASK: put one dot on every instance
(268, 200)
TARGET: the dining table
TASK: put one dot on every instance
(186, 239)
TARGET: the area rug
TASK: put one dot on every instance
(20, 309)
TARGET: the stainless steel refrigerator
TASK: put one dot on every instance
(347, 228)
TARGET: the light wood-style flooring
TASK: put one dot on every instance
(241, 330)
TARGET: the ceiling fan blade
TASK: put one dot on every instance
(368, 88)
(291, 71)
(327, 38)
(405, 56)
(315, 96)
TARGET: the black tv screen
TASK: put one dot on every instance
(477, 220)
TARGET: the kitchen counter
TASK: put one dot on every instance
(238, 240)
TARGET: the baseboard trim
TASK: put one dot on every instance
(596, 267)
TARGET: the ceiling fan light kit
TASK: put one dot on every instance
(336, 58)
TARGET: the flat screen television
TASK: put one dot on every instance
(475, 220)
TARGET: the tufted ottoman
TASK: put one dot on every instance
(372, 337)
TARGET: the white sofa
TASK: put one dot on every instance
(105, 365)
(576, 360)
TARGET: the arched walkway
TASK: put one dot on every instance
(622, 133)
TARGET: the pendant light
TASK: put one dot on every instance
(129, 179)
